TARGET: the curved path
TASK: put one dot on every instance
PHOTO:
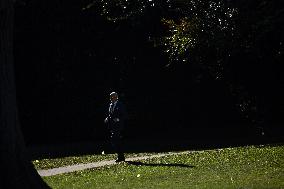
(80, 167)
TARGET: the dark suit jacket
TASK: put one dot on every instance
(117, 117)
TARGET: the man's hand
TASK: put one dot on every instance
(106, 120)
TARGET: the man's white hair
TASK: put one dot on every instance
(113, 93)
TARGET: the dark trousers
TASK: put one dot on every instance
(116, 139)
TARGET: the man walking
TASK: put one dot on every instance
(115, 122)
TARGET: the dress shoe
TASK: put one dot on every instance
(119, 160)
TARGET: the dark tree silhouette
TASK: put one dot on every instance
(16, 169)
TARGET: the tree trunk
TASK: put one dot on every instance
(16, 169)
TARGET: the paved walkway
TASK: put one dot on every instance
(80, 167)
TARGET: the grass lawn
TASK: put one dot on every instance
(242, 167)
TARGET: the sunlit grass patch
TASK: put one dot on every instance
(242, 167)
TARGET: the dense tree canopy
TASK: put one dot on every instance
(231, 41)
(216, 53)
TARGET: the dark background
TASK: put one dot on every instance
(68, 60)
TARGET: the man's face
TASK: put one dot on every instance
(113, 98)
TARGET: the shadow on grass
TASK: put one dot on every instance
(138, 163)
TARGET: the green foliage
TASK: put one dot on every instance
(190, 25)
(241, 167)
(182, 38)
(117, 10)
(204, 25)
